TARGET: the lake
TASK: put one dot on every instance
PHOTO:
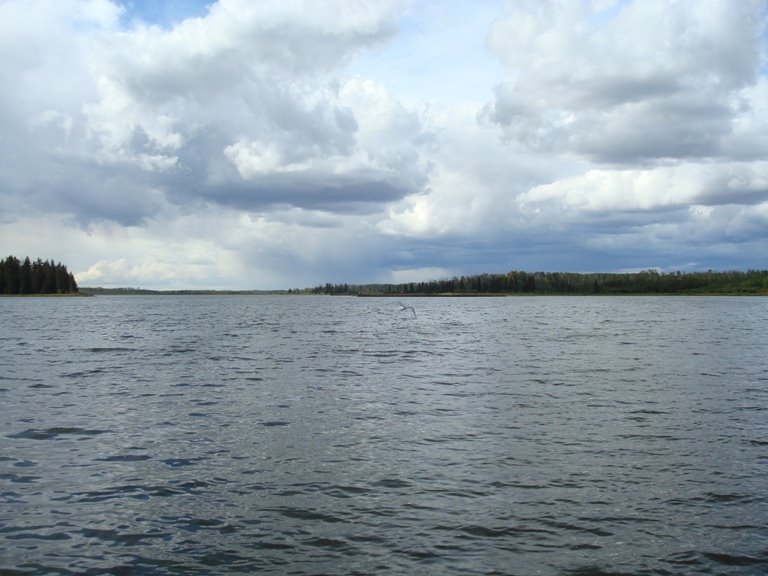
(581, 436)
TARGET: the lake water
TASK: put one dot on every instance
(332, 435)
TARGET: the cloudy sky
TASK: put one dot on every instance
(286, 143)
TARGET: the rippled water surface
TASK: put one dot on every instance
(332, 435)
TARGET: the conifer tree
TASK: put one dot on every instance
(38, 277)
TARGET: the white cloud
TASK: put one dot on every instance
(638, 81)
(380, 145)
(603, 190)
(248, 84)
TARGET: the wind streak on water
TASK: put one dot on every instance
(217, 435)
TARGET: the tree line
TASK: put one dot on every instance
(517, 282)
(38, 277)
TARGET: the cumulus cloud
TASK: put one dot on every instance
(238, 106)
(627, 82)
(604, 190)
(601, 127)
(243, 101)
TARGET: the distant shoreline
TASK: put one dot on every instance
(514, 283)
(65, 295)
(160, 293)
(97, 291)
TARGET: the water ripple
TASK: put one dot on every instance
(562, 436)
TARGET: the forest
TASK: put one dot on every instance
(38, 277)
(516, 282)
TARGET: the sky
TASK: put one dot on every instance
(279, 144)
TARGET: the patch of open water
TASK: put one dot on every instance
(333, 435)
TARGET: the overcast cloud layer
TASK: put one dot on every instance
(283, 144)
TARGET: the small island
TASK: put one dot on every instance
(41, 277)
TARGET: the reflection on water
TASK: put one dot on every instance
(322, 435)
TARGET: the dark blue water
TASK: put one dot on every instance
(310, 435)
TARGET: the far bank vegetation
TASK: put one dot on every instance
(515, 282)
